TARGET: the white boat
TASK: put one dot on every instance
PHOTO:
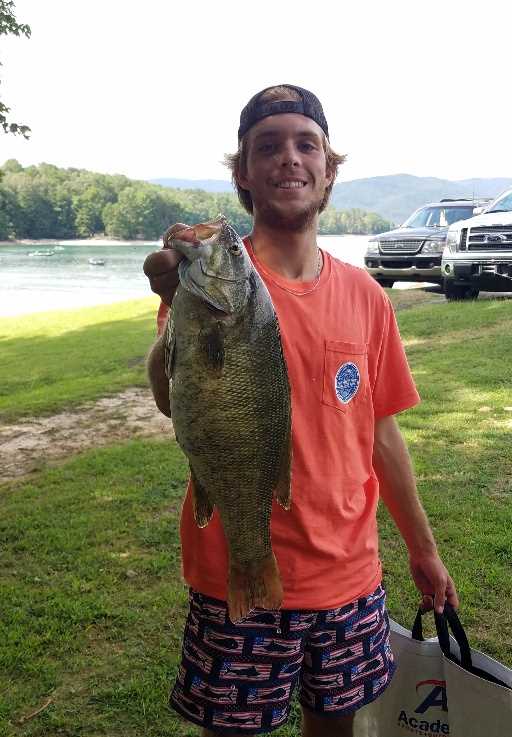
(45, 252)
(97, 262)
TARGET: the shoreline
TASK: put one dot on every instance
(48, 242)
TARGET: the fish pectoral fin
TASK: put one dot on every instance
(203, 508)
(212, 345)
(282, 491)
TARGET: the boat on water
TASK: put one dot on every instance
(97, 262)
(44, 252)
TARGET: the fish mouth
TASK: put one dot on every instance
(203, 231)
(194, 235)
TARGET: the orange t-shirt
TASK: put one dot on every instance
(161, 317)
(346, 366)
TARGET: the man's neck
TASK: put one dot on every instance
(290, 254)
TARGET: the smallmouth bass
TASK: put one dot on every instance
(230, 404)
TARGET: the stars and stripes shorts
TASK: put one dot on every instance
(238, 678)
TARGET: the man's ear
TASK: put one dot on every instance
(329, 175)
(241, 179)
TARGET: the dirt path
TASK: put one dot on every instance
(30, 444)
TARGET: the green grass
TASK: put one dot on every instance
(91, 596)
(78, 625)
(459, 437)
(53, 360)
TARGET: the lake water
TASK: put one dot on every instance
(32, 282)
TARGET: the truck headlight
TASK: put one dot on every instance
(452, 239)
(433, 246)
(373, 248)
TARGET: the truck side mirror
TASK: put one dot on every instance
(478, 211)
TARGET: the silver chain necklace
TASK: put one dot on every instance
(319, 262)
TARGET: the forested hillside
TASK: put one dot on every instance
(209, 185)
(397, 196)
(47, 202)
(393, 197)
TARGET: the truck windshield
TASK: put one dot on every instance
(502, 205)
(437, 217)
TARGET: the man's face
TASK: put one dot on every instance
(286, 170)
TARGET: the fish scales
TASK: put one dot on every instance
(232, 423)
(231, 409)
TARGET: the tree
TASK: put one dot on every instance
(8, 214)
(142, 211)
(9, 25)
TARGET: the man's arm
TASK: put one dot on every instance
(161, 268)
(393, 467)
(158, 381)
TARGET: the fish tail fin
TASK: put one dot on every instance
(253, 584)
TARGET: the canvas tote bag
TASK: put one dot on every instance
(441, 687)
(478, 688)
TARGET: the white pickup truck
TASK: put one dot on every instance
(478, 252)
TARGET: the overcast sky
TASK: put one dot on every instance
(154, 89)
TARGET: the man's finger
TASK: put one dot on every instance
(171, 230)
(427, 603)
(161, 262)
(440, 597)
(451, 594)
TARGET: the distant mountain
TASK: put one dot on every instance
(209, 185)
(394, 197)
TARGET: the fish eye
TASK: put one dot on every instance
(235, 248)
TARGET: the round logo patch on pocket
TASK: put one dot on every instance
(346, 382)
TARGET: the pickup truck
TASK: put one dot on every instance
(478, 252)
(413, 251)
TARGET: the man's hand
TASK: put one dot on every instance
(431, 578)
(161, 267)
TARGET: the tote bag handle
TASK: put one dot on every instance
(449, 618)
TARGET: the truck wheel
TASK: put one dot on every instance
(385, 283)
(459, 291)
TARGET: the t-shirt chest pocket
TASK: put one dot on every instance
(346, 383)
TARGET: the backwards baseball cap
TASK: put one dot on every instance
(257, 109)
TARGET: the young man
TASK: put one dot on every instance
(349, 377)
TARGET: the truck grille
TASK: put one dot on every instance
(490, 238)
(400, 246)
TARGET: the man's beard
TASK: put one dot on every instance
(281, 219)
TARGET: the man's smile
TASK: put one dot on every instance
(290, 184)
